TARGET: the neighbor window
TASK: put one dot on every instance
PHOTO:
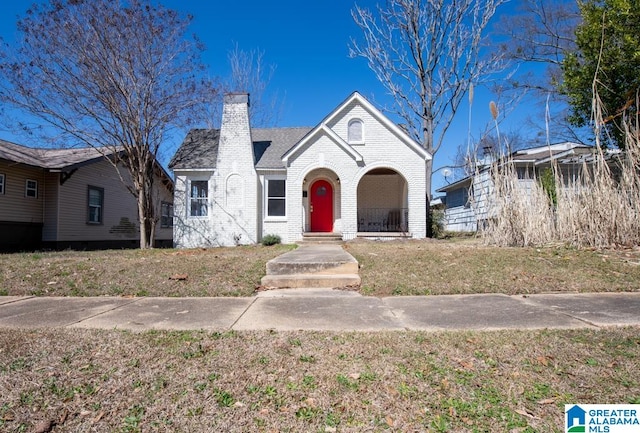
(96, 205)
(1, 183)
(276, 202)
(31, 188)
(355, 133)
(166, 217)
(199, 198)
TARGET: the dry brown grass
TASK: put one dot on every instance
(209, 272)
(600, 208)
(463, 267)
(80, 380)
(387, 268)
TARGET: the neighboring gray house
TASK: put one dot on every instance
(71, 198)
(466, 200)
(354, 174)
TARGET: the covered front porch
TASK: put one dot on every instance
(382, 209)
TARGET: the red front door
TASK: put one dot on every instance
(321, 206)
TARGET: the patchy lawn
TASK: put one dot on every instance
(427, 267)
(157, 272)
(434, 267)
(89, 380)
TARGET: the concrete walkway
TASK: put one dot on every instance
(325, 310)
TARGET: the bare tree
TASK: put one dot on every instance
(427, 54)
(540, 32)
(250, 74)
(537, 37)
(116, 75)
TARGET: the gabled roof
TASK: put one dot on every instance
(51, 159)
(199, 150)
(356, 97)
(55, 160)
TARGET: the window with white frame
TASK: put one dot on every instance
(31, 188)
(1, 183)
(95, 207)
(199, 198)
(166, 214)
(355, 133)
(276, 199)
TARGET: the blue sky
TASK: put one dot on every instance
(308, 44)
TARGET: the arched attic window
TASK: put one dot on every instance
(355, 133)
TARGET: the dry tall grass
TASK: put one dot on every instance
(600, 208)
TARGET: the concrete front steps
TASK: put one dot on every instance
(312, 266)
(321, 238)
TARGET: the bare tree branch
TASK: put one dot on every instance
(118, 76)
(427, 54)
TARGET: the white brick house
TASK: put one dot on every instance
(354, 174)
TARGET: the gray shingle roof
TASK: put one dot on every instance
(52, 159)
(199, 150)
(276, 142)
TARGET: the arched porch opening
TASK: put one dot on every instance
(383, 202)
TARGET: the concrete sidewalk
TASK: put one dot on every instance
(325, 310)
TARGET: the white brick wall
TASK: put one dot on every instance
(237, 192)
(382, 149)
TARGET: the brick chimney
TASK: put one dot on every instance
(236, 177)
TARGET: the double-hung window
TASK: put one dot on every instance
(166, 214)
(95, 209)
(31, 188)
(276, 200)
(2, 182)
(199, 198)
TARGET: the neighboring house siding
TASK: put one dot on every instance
(20, 216)
(14, 206)
(119, 211)
(460, 219)
(51, 207)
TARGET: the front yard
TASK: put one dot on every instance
(505, 381)
(508, 381)
(426, 267)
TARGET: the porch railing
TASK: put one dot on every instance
(383, 219)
